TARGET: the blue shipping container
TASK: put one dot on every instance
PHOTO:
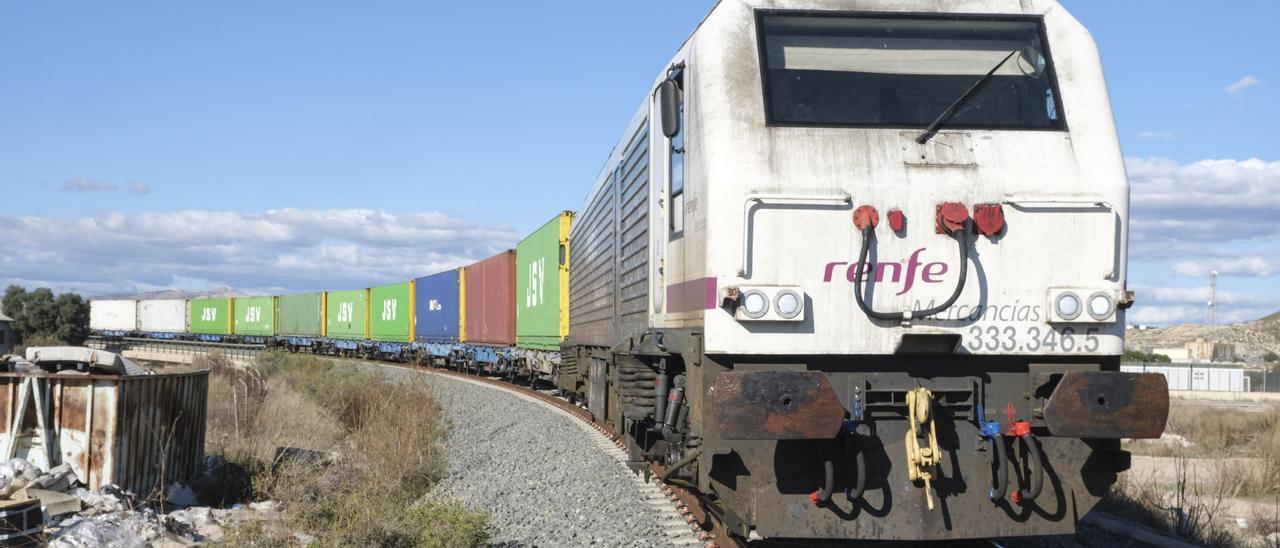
(436, 307)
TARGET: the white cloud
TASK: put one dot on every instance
(85, 185)
(1184, 210)
(1249, 267)
(1240, 85)
(1163, 305)
(139, 188)
(279, 250)
(1156, 135)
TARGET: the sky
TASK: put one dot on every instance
(281, 146)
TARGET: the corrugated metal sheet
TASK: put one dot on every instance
(162, 316)
(113, 315)
(609, 278)
(140, 432)
(300, 315)
(436, 308)
(490, 291)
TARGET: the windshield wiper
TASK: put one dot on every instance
(932, 130)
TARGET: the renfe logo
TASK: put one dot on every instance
(930, 273)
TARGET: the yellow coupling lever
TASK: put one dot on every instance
(922, 462)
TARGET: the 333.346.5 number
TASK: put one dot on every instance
(1009, 339)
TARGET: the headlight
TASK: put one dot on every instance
(1101, 306)
(755, 304)
(1068, 306)
(787, 304)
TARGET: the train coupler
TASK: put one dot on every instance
(922, 461)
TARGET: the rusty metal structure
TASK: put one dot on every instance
(140, 432)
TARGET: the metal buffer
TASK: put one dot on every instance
(922, 461)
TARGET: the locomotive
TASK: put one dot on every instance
(856, 269)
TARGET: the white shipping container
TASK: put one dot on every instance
(1208, 379)
(113, 315)
(163, 316)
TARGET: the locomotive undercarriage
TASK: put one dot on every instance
(821, 446)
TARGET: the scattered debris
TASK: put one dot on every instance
(78, 517)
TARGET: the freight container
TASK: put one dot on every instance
(1195, 377)
(300, 315)
(211, 316)
(113, 315)
(162, 316)
(435, 308)
(255, 316)
(391, 312)
(542, 286)
(346, 314)
(488, 300)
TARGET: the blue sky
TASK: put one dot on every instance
(466, 124)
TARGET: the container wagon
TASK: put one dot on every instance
(255, 319)
(391, 319)
(113, 318)
(872, 247)
(488, 291)
(347, 319)
(163, 318)
(542, 296)
(211, 319)
(437, 315)
(300, 320)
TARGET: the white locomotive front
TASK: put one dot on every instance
(875, 247)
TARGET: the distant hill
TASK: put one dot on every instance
(1252, 339)
(176, 294)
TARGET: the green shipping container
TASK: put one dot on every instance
(542, 286)
(346, 314)
(391, 312)
(300, 315)
(211, 316)
(255, 316)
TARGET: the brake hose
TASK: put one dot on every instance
(1000, 474)
(1037, 479)
(868, 234)
(859, 470)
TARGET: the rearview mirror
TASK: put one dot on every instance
(669, 105)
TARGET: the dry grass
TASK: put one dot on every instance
(384, 438)
(1228, 467)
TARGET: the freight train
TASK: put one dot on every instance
(856, 269)
(507, 313)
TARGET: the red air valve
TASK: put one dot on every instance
(866, 217)
(989, 218)
(951, 217)
(897, 221)
(1017, 429)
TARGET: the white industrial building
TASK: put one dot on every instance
(1196, 377)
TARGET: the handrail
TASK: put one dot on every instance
(794, 199)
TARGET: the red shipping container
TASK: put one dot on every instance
(489, 295)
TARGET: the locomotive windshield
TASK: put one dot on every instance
(905, 72)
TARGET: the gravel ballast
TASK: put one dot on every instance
(541, 477)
